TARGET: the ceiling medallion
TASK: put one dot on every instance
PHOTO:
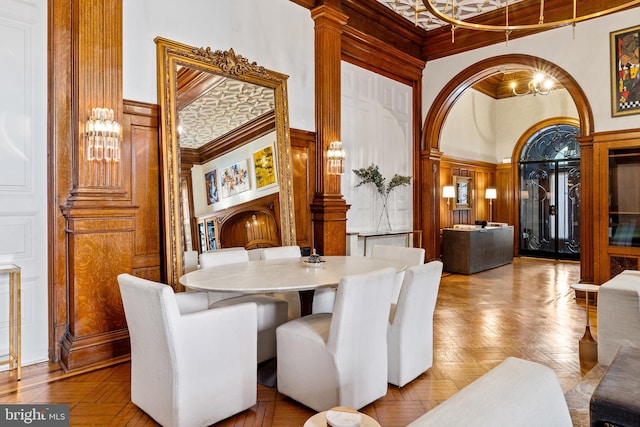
(450, 15)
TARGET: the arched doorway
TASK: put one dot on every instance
(437, 115)
(549, 190)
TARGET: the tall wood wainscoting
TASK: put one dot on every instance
(107, 236)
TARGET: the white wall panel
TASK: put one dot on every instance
(376, 129)
(23, 166)
(277, 34)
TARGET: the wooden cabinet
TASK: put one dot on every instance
(617, 196)
(469, 251)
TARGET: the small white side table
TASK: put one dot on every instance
(320, 420)
(587, 346)
(14, 358)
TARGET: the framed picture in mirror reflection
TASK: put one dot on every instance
(265, 169)
(235, 179)
(463, 188)
(211, 181)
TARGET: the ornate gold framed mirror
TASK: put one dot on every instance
(223, 66)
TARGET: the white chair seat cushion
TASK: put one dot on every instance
(302, 344)
(272, 312)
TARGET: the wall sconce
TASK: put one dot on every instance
(253, 222)
(103, 136)
(448, 192)
(491, 194)
(335, 158)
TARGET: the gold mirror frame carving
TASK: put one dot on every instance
(170, 54)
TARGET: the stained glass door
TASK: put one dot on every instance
(550, 194)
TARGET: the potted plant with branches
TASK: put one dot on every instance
(372, 175)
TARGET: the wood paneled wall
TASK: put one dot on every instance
(483, 176)
(105, 238)
(303, 157)
(101, 215)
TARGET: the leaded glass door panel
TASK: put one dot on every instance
(550, 194)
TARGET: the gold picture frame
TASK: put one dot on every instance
(463, 188)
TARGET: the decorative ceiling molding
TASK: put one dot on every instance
(465, 9)
(226, 106)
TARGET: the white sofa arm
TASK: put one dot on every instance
(515, 393)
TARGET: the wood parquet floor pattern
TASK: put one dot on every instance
(525, 309)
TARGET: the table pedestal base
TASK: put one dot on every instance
(267, 373)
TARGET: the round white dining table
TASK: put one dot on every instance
(283, 275)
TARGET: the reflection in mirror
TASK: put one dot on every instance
(463, 190)
(226, 155)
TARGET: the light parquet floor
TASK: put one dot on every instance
(525, 309)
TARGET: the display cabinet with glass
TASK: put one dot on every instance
(624, 197)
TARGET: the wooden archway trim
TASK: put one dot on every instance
(442, 104)
(447, 97)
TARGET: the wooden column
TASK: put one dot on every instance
(431, 189)
(329, 209)
(102, 221)
(589, 212)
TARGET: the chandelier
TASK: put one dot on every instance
(540, 84)
(450, 11)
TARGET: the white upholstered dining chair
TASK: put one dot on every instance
(184, 356)
(272, 311)
(340, 359)
(324, 298)
(410, 334)
(292, 298)
(408, 255)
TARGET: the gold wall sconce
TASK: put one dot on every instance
(335, 158)
(103, 133)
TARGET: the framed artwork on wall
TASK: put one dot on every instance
(211, 181)
(265, 169)
(462, 185)
(235, 179)
(625, 75)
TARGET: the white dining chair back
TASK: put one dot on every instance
(324, 298)
(292, 298)
(182, 361)
(343, 355)
(410, 334)
(277, 252)
(409, 256)
(190, 261)
(272, 311)
(223, 257)
(255, 254)
(216, 258)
